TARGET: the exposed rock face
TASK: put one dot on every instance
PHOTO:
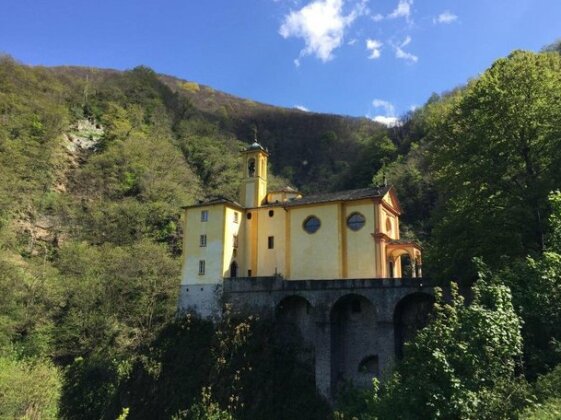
(77, 143)
(84, 135)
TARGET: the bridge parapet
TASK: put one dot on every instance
(270, 284)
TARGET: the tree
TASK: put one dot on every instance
(462, 364)
(496, 154)
(536, 288)
(556, 47)
(29, 389)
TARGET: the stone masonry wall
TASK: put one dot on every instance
(351, 325)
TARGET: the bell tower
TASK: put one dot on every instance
(254, 183)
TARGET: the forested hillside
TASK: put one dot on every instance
(95, 165)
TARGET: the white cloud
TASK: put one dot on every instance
(352, 41)
(401, 54)
(301, 108)
(374, 46)
(387, 121)
(378, 17)
(321, 24)
(403, 9)
(387, 106)
(445, 17)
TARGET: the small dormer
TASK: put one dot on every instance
(283, 195)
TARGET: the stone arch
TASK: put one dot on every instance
(410, 315)
(353, 321)
(295, 326)
(403, 260)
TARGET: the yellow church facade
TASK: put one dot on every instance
(343, 235)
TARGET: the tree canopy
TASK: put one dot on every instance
(495, 154)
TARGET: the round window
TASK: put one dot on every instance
(356, 221)
(311, 224)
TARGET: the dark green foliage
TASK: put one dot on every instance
(375, 152)
(89, 388)
(193, 367)
(548, 404)
(461, 365)
(495, 153)
(549, 385)
(415, 186)
(536, 287)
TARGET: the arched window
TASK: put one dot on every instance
(311, 224)
(251, 167)
(356, 221)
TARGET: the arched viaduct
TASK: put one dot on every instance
(351, 330)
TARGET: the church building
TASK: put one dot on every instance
(331, 236)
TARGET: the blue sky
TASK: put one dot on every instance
(376, 58)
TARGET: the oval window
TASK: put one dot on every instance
(388, 225)
(311, 224)
(356, 221)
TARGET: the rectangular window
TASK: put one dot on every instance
(202, 240)
(248, 273)
(236, 217)
(271, 242)
(201, 267)
(235, 241)
(204, 216)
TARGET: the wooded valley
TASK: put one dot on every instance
(94, 168)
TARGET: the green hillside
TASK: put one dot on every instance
(95, 165)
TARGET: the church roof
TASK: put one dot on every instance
(347, 195)
(212, 201)
(286, 189)
(403, 242)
